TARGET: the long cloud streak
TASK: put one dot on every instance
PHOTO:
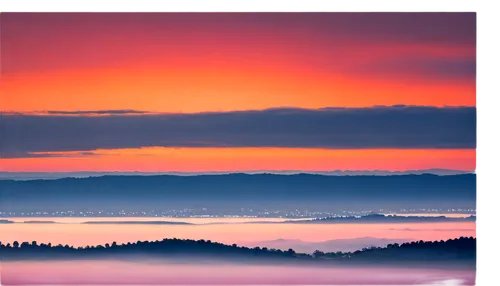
(352, 128)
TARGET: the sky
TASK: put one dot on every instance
(237, 91)
(73, 233)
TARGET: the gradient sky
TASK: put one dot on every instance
(64, 76)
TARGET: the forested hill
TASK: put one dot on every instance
(453, 250)
(155, 192)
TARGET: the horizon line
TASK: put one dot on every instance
(245, 171)
(132, 112)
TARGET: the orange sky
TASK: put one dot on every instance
(188, 63)
(218, 89)
(85, 234)
(159, 159)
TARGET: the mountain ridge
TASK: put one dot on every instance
(240, 190)
(85, 174)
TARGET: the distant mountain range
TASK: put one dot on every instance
(221, 192)
(84, 174)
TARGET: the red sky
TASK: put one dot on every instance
(189, 63)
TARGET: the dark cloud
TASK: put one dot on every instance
(376, 127)
(49, 154)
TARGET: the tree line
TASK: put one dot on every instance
(463, 247)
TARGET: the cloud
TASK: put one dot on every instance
(51, 154)
(338, 128)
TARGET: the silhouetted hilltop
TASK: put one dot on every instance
(381, 218)
(239, 190)
(453, 250)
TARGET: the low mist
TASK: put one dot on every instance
(192, 272)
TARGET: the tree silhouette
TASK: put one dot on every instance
(459, 249)
(318, 253)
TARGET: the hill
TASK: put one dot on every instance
(453, 250)
(239, 190)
